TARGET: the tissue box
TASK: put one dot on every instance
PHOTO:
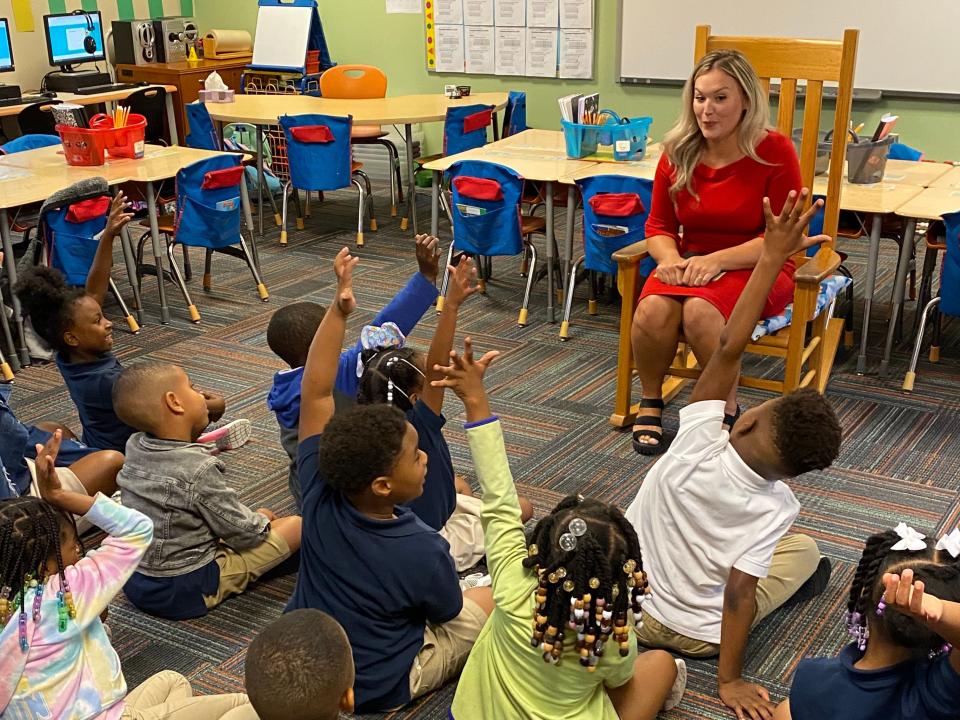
(216, 96)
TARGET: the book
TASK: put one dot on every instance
(588, 108)
(70, 114)
(569, 107)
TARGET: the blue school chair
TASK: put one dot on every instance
(319, 155)
(69, 226)
(201, 133)
(615, 210)
(207, 216)
(947, 301)
(487, 221)
(515, 114)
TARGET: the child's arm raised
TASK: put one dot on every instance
(462, 285)
(783, 237)
(320, 371)
(98, 279)
(942, 616)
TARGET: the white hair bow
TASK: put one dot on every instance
(950, 543)
(910, 539)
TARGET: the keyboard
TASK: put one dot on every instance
(24, 100)
(96, 89)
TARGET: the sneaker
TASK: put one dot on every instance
(679, 686)
(475, 580)
(814, 585)
(231, 436)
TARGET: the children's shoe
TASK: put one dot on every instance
(814, 585)
(475, 580)
(679, 686)
(231, 436)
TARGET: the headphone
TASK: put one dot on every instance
(89, 42)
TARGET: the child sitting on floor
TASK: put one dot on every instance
(299, 667)
(208, 545)
(400, 376)
(292, 329)
(713, 513)
(72, 322)
(56, 660)
(904, 615)
(366, 560)
(581, 582)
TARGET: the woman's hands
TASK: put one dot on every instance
(695, 271)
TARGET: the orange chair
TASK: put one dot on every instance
(358, 82)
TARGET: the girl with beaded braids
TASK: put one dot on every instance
(560, 642)
(904, 615)
(56, 660)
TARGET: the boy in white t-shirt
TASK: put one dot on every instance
(713, 512)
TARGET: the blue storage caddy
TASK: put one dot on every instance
(627, 138)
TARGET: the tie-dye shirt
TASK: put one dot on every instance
(75, 674)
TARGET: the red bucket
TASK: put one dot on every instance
(82, 146)
(122, 142)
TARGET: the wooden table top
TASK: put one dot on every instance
(882, 197)
(87, 99)
(529, 165)
(931, 203)
(950, 179)
(908, 172)
(399, 110)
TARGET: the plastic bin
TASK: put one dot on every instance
(82, 146)
(123, 142)
(824, 145)
(626, 138)
(867, 160)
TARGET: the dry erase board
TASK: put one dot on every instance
(282, 35)
(905, 47)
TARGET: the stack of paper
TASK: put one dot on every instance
(570, 108)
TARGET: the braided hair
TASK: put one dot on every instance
(939, 571)
(390, 376)
(30, 534)
(49, 302)
(587, 557)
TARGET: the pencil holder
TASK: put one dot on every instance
(867, 160)
(626, 138)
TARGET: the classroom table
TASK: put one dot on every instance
(106, 97)
(543, 165)
(911, 172)
(951, 179)
(928, 204)
(406, 110)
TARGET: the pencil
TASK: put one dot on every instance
(858, 128)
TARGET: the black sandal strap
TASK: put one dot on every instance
(651, 403)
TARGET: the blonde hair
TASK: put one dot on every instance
(684, 142)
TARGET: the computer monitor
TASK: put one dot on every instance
(74, 38)
(6, 49)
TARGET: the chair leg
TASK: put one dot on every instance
(131, 321)
(306, 205)
(369, 187)
(848, 317)
(568, 305)
(446, 279)
(178, 278)
(208, 270)
(911, 375)
(937, 320)
(522, 319)
(592, 301)
(361, 203)
(187, 270)
(926, 281)
(445, 204)
(283, 214)
(296, 203)
(394, 173)
(261, 288)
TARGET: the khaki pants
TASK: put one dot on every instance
(464, 533)
(69, 481)
(240, 568)
(794, 561)
(445, 649)
(168, 696)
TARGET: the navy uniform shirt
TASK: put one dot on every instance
(439, 498)
(91, 388)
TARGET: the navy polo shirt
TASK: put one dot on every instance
(91, 388)
(439, 498)
(911, 690)
(179, 597)
(383, 580)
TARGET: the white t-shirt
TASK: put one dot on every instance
(700, 512)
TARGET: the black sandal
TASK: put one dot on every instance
(656, 420)
(730, 420)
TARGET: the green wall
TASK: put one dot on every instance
(360, 31)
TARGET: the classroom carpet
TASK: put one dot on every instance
(898, 462)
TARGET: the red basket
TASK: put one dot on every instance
(82, 146)
(124, 142)
(313, 62)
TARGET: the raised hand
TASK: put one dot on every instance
(747, 700)
(428, 256)
(118, 216)
(463, 282)
(47, 480)
(902, 593)
(784, 235)
(343, 266)
(464, 375)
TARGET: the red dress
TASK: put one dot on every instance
(729, 213)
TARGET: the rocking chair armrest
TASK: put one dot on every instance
(818, 268)
(631, 254)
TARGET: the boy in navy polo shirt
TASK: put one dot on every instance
(365, 559)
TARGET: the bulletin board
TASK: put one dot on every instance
(527, 38)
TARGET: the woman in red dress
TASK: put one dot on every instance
(721, 159)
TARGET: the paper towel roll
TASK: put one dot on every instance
(230, 40)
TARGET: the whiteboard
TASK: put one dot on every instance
(906, 47)
(282, 35)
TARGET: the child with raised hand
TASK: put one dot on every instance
(208, 544)
(579, 583)
(56, 660)
(402, 377)
(713, 513)
(904, 615)
(367, 560)
(72, 322)
(293, 327)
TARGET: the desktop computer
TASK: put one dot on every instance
(72, 39)
(6, 61)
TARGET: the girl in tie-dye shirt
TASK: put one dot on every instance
(56, 660)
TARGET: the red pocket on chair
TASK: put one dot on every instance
(478, 188)
(312, 134)
(227, 177)
(617, 204)
(477, 121)
(88, 209)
